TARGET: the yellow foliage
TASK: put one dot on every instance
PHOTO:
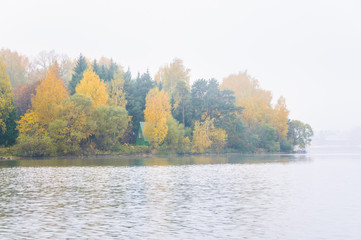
(116, 91)
(205, 135)
(91, 86)
(219, 138)
(30, 124)
(280, 119)
(257, 103)
(156, 113)
(201, 136)
(49, 96)
(170, 75)
(6, 97)
(76, 112)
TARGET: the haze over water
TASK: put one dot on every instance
(206, 197)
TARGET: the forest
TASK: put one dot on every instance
(54, 105)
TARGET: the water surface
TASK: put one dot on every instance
(202, 197)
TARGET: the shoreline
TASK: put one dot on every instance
(143, 155)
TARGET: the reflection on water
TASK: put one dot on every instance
(204, 197)
(155, 161)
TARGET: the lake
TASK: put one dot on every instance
(312, 196)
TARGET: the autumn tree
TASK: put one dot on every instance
(81, 66)
(280, 118)
(92, 86)
(49, 96)
(116, 91)
(169, 75)
(111, 124)
(7, 109)
(206, 136)
(256, 101)
(74, 126)
(16, 66)
(22, 96)
(156, 113)
(176, 139)
(6, 97)
(33, 139)
(30, 124)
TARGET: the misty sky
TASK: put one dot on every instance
(307, 51)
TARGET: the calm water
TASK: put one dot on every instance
(314, 196)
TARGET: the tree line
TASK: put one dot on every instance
(55, 106)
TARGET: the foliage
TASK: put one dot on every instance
(116, 91)
(106, 69)
(39, 66)
(299, 133)
(30, 124)
(175, 138)
(205, 135)
(16, 66)
(58, 131)
(111, 124)
(49, 96)
(218, 138)
(74, 126)
(236, 132)
(8, 131)
(8, 137)
(107, 104)
(280, 118)
(130, 149)
(182, 105)
(156, 113)
(34, 146)
(6, 98)
(135, 94)
(209, 101)
(22, 96)
(91, 86)
(81, 66)
(170, 75)
(267, 139)
(286, 145)
(256, 101)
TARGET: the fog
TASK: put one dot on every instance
(307, 51)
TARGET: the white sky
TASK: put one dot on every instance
(307, 51)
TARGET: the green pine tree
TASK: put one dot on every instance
(9, 137)
(79, 69)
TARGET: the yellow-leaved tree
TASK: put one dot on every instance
(30, 124)
(92, 86)
(170, 75)
(256, 101)
(157, 111)
(116, 91)
(6, 97)
(280, 118)
(49, 96)
(206, 136)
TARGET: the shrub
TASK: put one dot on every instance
(34, 146)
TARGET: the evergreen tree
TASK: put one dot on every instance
(79, 69)
(135, 94)
(9, 137)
